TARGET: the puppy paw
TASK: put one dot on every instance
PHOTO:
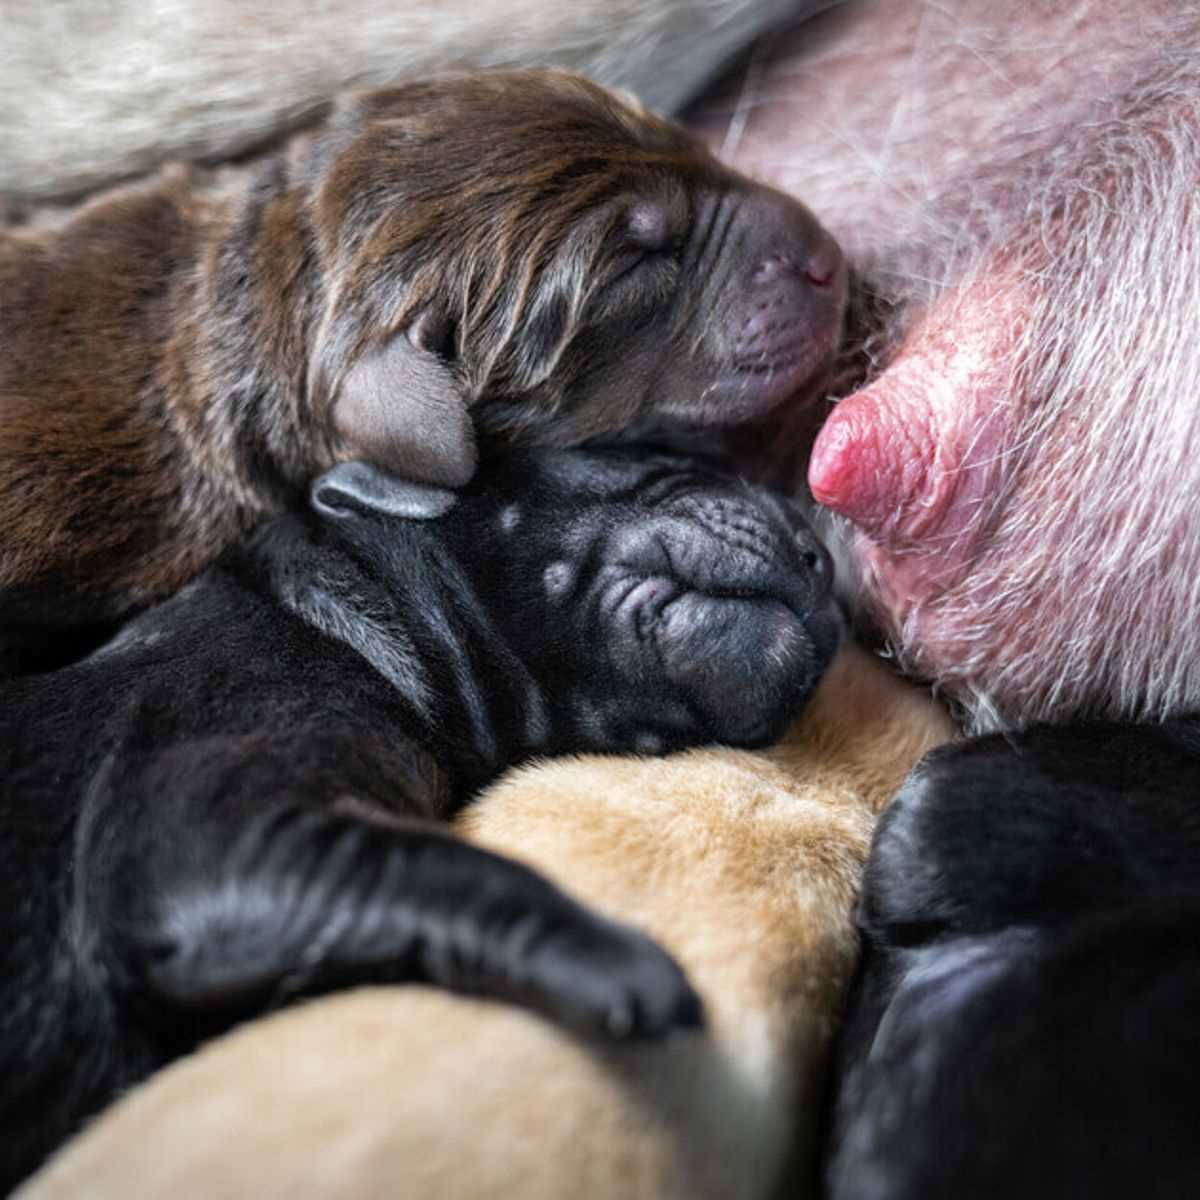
(599, 977)
(511, 934)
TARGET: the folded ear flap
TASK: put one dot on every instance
(360, 487)
(400, 406)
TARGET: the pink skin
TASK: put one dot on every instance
(913, 458)
(930, 139)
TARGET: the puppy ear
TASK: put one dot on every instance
(401, 406)
(359, 487)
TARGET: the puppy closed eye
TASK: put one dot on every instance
(652, 235)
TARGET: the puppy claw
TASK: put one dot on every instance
(616, 983)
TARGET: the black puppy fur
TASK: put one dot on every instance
(1024, 1022)
(233, 803)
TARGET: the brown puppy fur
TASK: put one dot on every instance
(745, 865)
(519, 250)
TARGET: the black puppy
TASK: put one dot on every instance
(233, 802)
(1024, 1023)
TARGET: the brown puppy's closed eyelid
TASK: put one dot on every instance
(659, 224)
(648, 226)
(654, 233)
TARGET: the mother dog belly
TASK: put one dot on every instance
(1017, 481)
(744, 864)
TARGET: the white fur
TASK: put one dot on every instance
(92, 90)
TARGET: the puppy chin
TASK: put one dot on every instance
(748, 665)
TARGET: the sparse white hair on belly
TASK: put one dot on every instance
(1093, 547)
(1061, 152)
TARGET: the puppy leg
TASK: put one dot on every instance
(275, 893)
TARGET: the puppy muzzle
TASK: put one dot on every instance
(734, 599)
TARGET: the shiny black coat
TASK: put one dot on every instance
(238, 800)
(1024, 1022)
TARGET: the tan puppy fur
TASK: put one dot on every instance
(745, 865)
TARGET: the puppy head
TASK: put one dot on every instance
(657, 602)
(529, 253)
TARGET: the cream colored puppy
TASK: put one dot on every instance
(745, 865)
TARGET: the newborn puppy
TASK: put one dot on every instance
(1025, 1020)
(519, 250)
(234, 802)
(744, 864)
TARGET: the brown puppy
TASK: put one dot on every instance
(520, 250)
(745, 865)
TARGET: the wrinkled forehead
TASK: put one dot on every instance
(502, 159)
(617, 475)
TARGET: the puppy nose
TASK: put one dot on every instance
(820, 264)
(813, 554)
(815, 558)
(825, 262)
